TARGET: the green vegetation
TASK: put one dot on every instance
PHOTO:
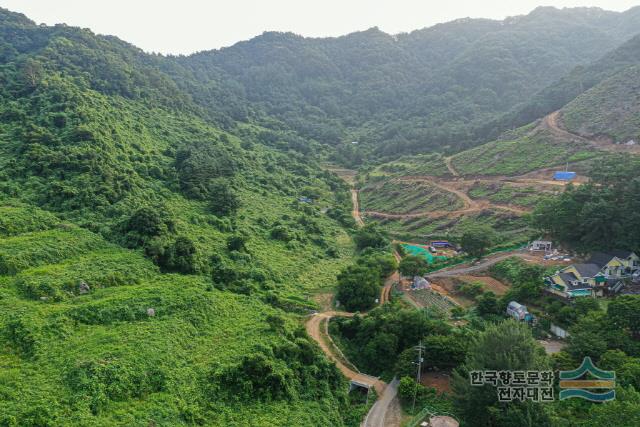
(359, 285)
(164, 221)
(600, 215)
(406, 197)
(382, 343)
(509, 229)
(506, 346)
(152, 261)
(417, 165)
(412, 265)
(517, 157)
(476, 240)
(580, 80)
(609, 109)
(507, 194)
(440, 87)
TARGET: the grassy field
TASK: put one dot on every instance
(418, 165)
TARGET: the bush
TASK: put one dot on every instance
(180, 257)
(144, 225)
(104, 380)
(412, 265)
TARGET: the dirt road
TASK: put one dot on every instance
(452, 170)
(385, 294)
(477, 207)
(553, 123)
(469, 205)
(356, 208)
(482, 265)
(316, 331)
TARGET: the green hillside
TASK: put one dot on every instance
(611, 109)
(154, 267)
(169, 224)
(575, 83)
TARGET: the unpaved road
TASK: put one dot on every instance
(315, 331)
(452, 170)
(552, 123)
(385, 294)
(477, 207)
(482, 265)
(383, 413)
(355, 212)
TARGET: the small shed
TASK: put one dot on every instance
(541, 245)
(440, 244)
(564, 176)
(420, 283)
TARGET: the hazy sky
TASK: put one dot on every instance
(190, 25)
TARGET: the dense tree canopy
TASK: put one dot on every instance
(600, 215)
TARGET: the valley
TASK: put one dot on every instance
(319, 231)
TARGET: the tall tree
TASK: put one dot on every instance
(502, 347)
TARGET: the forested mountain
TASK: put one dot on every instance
(578, 81)
(153, 267)
(165, 222)
(432, 88)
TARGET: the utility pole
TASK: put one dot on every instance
(419, 363)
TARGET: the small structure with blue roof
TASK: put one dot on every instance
(564, 176)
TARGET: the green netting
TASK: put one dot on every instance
(423, 252)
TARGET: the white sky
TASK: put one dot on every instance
(191, 25)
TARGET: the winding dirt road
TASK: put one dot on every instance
(469, 205)
(482, 265)
(315, 329)
(553, 124)
(386, 410)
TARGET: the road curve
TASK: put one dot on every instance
(315, 331)
(469, 205)
(553, 124)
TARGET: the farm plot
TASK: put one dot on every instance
(406, 197)
(433, 300)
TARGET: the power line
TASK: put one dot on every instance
(420, 347)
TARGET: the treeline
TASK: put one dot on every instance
(599, 215)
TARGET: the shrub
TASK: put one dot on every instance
(112, 379)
